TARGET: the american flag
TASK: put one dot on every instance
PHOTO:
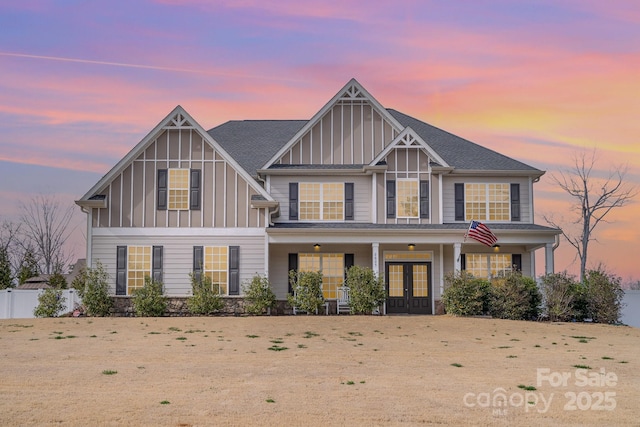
(480, 232)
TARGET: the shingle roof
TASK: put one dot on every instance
(459, 152)
(433, 227)
(253, 142)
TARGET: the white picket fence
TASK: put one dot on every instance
(19, 303)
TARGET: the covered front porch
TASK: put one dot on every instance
(412, 260)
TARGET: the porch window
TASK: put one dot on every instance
(321, 201)
(488, 265)
(487, 202)
(331, 266)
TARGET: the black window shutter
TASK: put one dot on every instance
(121, 270)
(195, 190)
(234, 270)
(424, 199)
(459, 201)
(463, 262)
(515, 202)
(391, 199)
(516, 260)
(293, 200)
(162, 189)
(293, 265)
(349, 261)
(348, 201)
(198, 257)
(156, 273)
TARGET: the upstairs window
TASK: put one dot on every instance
(178, 189)
(487, 202)
(408, 202)
(321, 201)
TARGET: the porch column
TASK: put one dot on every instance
(375, 258)
(548, 258)
(457, 265)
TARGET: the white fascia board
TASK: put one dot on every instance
(131, 155)
(496, 172)
(396, 143)
(142, 145)
(316, 118)
(177, 232)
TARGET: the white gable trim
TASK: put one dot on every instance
(407, 138)
(353, 90)
(176, 119)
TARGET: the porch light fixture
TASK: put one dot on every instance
(411, 246)
(496, 248)
(317, 246)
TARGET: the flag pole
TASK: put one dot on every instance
(464, 240)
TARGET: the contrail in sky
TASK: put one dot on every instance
(88, 61)
(140, 66)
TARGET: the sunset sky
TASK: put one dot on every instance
(82, 82)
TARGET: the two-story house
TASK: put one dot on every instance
(355, 184)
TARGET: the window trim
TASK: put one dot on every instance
(321, 201)
(487, 201)
(416, 181)
(488, 256)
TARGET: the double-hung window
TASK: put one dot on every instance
(321, 201)
(408, 202)
(488, 265)
(332, 267)
(221, 264)
(178, 189)
(487, 202)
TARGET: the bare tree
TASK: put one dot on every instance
(594, 198)
(45, 226)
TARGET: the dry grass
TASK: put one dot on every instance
(346, 370)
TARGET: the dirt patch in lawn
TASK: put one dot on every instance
(308, 370)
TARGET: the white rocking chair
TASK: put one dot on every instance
(342, 302)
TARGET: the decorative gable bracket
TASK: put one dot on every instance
(179, 121)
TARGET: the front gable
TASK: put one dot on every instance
(349, 130)
(408, 140)
(211, 189)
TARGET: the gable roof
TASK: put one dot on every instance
(408, 138)
(178, 118)
(461, 153)
(253, 142)
(352, 90)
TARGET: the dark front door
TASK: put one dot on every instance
(408, 287)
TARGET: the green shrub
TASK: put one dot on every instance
(206, 296)
(92, 285)
(149, 301)
(465, 295)
(604, 296)
(259, 295)
(561, 296)
(366, 291)
(58, 281)
(50, 303)
(515, 297)
(307, 291)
